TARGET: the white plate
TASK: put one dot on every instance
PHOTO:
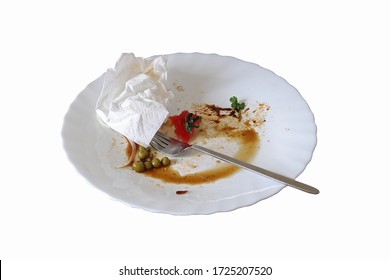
(288, 137)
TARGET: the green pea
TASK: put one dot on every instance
(138, 166)
(148, 165)
(165, 161)
(143, 153)
(156, 163)
(142, 148)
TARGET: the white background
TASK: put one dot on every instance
(336, 53)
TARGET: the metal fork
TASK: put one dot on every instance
(173, 147)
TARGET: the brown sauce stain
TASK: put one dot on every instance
(248, 143)
(217, 123)
(215, 110)
(181, 192)
(169, 175)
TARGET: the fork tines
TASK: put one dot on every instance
(159, 141)
(159, 134)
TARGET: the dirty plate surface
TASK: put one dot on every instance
(287, 138)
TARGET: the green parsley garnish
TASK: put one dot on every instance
(237, 106)
(192, 121)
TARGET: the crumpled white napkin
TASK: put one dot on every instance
(134, 98)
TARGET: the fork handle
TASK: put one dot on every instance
(275, 176)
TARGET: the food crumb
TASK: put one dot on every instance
(180, 88)
(181, 192)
